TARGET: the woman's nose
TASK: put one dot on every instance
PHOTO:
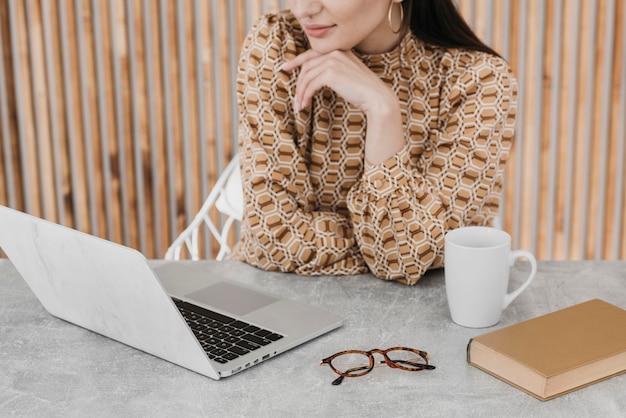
(305, 8)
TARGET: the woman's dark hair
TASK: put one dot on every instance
(438, 22)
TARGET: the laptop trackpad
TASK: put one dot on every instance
(231, 298)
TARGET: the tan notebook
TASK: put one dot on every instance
(556, 353)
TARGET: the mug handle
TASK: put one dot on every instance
(514, 255)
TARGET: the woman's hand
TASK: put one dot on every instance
(339, 70)
(345, 74)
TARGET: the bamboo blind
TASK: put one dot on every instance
(116, 116)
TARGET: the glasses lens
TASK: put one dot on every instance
(407, 359)
(351, 364)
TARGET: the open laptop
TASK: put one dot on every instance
(179, 311)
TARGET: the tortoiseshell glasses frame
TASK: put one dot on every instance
(355, 363)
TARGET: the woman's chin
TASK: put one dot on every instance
(323, 46)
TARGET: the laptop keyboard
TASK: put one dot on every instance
(222, 337)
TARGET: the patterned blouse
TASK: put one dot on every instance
(314, 206)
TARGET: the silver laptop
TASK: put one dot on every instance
(179, 311)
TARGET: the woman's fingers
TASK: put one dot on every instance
(299, 60)
(309, 82)
(340, 71)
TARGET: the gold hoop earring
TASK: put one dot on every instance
(389, 16)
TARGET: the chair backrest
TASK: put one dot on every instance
(227, 197)
(230, 201)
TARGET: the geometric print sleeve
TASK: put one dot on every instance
(281, 230)
(402, 208)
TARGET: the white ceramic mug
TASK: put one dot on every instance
(477, 264)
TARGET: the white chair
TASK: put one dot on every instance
(227, 197)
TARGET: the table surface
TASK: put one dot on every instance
(49, 367)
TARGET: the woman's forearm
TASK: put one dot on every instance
(385, 131)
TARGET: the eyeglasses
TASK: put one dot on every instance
(355, 363)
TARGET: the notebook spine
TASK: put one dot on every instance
(469, 344)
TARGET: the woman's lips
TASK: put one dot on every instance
(317, 31)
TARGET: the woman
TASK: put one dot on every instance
(368, 128)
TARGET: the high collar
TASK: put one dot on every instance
(390, 61)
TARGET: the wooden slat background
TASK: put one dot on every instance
(117, 116)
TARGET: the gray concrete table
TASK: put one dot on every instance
(51, 368)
